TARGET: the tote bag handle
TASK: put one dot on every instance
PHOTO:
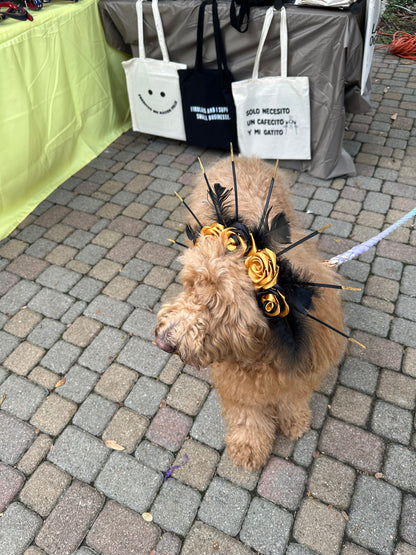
(283, 42)
(159, 29)
(240, 21)
(219, 45)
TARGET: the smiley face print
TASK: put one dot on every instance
(155, 97)
(157, 101)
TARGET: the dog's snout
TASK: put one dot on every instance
(163, 343)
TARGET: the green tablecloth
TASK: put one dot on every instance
(63, 100)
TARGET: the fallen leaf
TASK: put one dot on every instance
(393, 116)
(2, 398)
(111, 444)
(308, 493)
(315, 454)
(147, 517)
(61, 382)
(386, 89)
(344, 514)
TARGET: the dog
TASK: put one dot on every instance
(268, 323)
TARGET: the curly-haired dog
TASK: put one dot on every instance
(249, 310)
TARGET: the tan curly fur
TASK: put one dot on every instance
(216, 322)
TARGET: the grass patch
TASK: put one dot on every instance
(396, 18)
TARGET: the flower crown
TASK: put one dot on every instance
(284, 295)
(261, 265)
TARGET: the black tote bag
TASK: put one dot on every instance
(207, 101)
(240, 20)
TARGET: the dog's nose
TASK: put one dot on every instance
(164, 344)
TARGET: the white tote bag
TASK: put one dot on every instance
(273, 113)
(153, 86)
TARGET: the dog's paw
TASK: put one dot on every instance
(295, 426)
(247, 456)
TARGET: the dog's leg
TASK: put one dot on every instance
(250, 434)
(293, 416)
(248, 410)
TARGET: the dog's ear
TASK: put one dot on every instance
(206, 290)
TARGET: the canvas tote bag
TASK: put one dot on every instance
(153, 86)
(207, 100)
(273, 113)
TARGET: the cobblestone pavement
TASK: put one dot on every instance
(81, 281)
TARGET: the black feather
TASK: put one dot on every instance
(191, 233)
(219, 197)
(294, 285)
(279, 229)
(277, 232)
(291, 335)
(291, 338)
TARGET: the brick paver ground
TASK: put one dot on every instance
(93, 415)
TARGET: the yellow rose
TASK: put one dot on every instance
(262, 268)
(232, 239)
(213, 230)
(275, 305)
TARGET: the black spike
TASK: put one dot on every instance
(333, 286)
(189, 209)
(266, 207)
(178, 243)
(235, 182)
(210, 192)
(306, 238)
(305, 313)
